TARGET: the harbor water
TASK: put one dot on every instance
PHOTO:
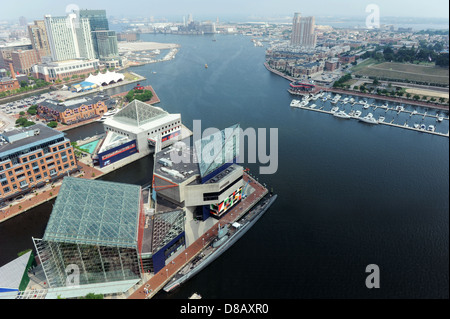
(350, 194)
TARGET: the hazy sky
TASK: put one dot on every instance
(33, 9)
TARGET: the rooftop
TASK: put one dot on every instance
(75, 104)
(138, 113)
(95, 213)
(28, 138)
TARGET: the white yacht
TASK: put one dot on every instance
(369, 119)
(366, 106)
(313, 106)
(342, 115)
(440, 118)
(417, 126)
(423, 127)
(399, 108)
(357, 114)
(431, 128)
(381, 119)
(345, 100)
(295, 103)
(385, 106)
(334, 109)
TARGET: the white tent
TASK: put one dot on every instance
(105, 79)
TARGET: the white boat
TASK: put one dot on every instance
(369, 119)
(417, 126)
(345, 100)
(111, 113)
(366, 106)
(381, 119)
(357, 114)
(385, 106)
(431, 128)
(342, 115)
(334, 109)
(352, 100)
(440, 118)
(313, 106)
(295, 103)
(414, 112)
(423, 127)
(400, 108)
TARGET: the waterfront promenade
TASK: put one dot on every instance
(160, 279)
(46, 194)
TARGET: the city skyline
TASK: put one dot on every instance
(201, 8)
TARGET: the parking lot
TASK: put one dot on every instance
(10, 110)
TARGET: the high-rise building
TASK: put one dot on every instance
(104, 40)
(303, 31)
(38, 37)
(105, 44)
(69, 37)
(97, 19)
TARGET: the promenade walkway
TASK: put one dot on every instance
(48, 193)
(160, 279)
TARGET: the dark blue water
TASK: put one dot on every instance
(350, 195)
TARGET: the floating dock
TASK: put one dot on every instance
(423, 115)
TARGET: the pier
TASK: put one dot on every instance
(404, 126)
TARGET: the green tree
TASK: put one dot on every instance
(52, 124)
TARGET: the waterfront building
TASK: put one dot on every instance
(104, 40)
(138, 128)
(69, 37)
(203, 186)
(105, 44)
(38, 36)
(303, 31)
(52, 71)
(31, 157)
(128, 37)
(108, 233)
(74, 111)
(97, 226)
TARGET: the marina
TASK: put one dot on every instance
(374, 113)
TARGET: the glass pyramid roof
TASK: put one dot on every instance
(138, 113)
(96, 213)
(218, 149)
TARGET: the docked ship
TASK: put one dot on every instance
(369, 119)
(226, 237)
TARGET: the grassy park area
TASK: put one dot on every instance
(403, 72)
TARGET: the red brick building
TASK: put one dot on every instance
(23, 61)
